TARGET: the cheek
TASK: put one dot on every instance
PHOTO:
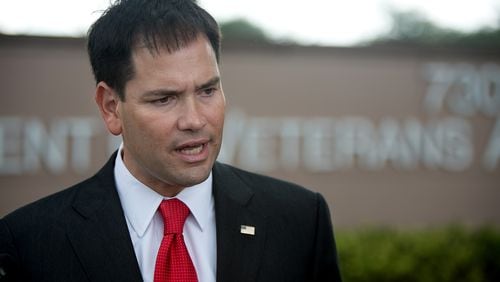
(137, 125)
(217, 115)
(156, 128)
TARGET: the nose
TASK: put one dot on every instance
(191, 117)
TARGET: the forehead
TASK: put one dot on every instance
(198, 52)
(193, 62)
(198, 47)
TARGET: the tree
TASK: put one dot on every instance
(241, 30)
(411, 27)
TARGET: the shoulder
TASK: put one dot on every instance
(271, 191)
(42, 212)
(57, 206)
(259, 181)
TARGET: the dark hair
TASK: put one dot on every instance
(156, 24)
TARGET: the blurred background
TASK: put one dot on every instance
(390, 109)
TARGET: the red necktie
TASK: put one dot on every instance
(173, 263)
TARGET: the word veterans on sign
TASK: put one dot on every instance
(331, 144)
(443, 138)
(326, 144)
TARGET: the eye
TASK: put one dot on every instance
(209, 91)
(163, 100)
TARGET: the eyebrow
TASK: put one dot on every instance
(209, 83)
(167, 92)
(160, 93)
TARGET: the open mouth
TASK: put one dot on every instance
(192, 150)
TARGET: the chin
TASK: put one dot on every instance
(190, 178)
(192, 181)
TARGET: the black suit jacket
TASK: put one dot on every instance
(80, 234)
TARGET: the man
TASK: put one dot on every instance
(159, 87)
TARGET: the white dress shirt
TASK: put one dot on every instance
(140, 205)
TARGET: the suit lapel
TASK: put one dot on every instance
(98, 231)
(238, 254)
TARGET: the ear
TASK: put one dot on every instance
(108, 102)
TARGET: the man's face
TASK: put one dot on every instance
(172, 118)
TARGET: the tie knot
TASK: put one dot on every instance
(174, 213)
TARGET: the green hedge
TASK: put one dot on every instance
(447, 254)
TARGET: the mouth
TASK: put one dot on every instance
(192, 150)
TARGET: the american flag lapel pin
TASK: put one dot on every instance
(247, 229)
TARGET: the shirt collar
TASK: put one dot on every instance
(140, 202)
